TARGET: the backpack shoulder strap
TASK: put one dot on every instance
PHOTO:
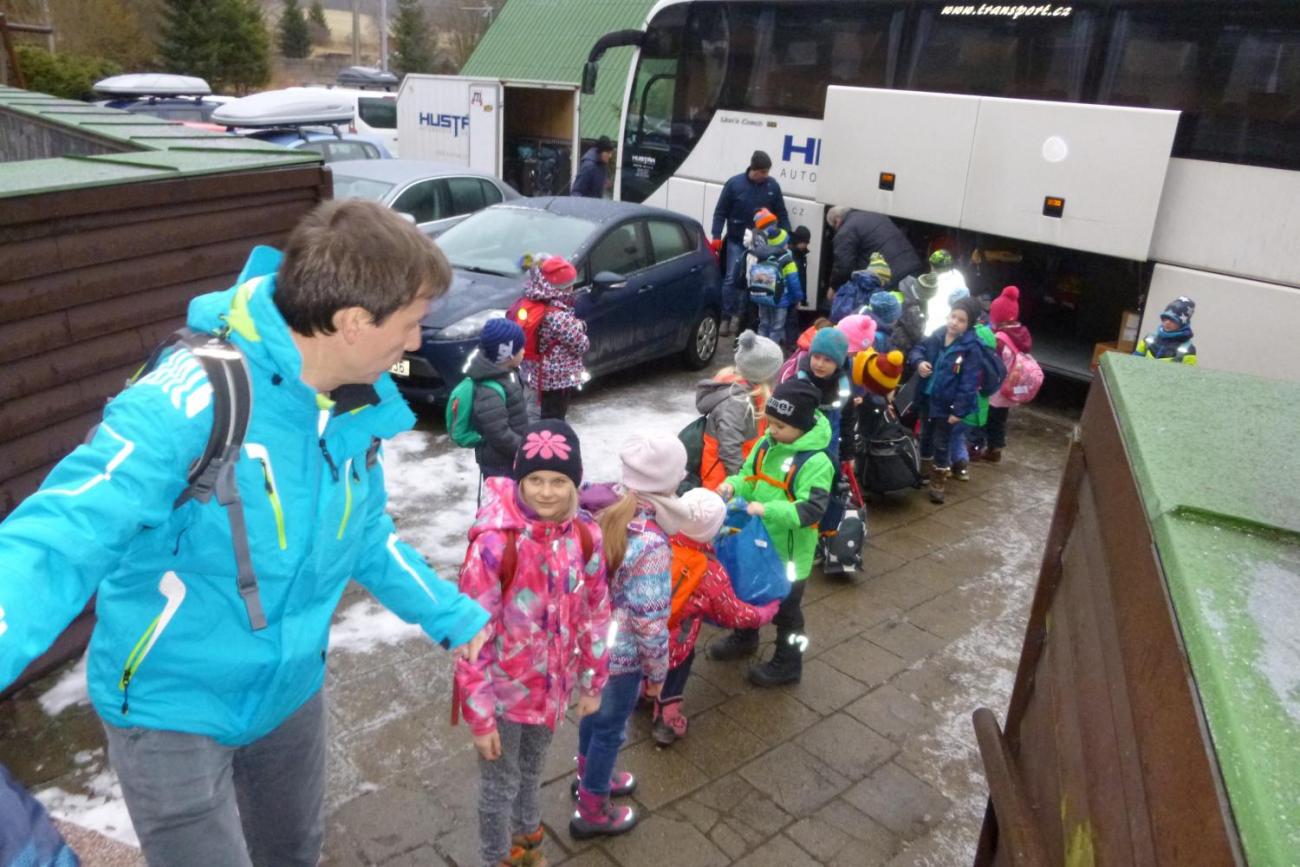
(509, 562)
(796, 464)
(494, 385)
(584, 538)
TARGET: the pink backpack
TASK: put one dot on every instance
(1024, 376)
(790, 369)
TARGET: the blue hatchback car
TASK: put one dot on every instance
(648, 285)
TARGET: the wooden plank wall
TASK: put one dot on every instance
(91, 279)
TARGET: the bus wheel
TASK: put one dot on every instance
(703, 343)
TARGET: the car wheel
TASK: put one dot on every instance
(703, 343)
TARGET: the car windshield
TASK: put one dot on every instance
(349, 187)
(496, 239)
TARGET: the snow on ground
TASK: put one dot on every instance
(68, 690)
(367, 625)
(101, 810)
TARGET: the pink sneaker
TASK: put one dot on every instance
(670, 723)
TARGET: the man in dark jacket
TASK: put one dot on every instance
(590, 180)
(858, 234)
(742, 196)
(500, 416)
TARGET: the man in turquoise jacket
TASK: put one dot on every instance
(215, 716)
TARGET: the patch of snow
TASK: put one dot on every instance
(68, 690)
(366, 626)
(1274, 605)
(101, 810)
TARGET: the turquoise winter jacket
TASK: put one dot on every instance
(172, 648)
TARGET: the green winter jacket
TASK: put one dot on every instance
(980, 415)
(792, 524)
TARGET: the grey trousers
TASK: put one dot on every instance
(194, 801)
(510, 789)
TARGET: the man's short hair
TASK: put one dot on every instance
(353, 253)
(836, 215)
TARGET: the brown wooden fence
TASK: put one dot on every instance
(91, 279)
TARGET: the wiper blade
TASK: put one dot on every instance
(478, 270)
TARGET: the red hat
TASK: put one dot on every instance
(558, 272)
(1006, 307)
(763, 218)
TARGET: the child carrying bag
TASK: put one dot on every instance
(745, 550)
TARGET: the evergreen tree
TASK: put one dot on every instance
(243, 47)
(186, 39)
(320, 28)
(293, 36)
(412, 49)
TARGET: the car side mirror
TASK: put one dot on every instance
(589, 70)
(607, 280)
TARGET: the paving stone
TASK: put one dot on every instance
(717, 744)
(823, 688)
(387, 751)
(840, 831)
(701, 694)
(898, 800)
(657, 837)
(826, 625)
(389, 822)
(557, 809)
(906, 641)
(727, 677)
(911, 584)
(387, 692)
(864, 661)
(795, 779)
(461, 846)
(729, 840)
(952, 614)
(770, 714)
(421, 857)
(937, 533)
(562, 757)
(705, 819)
(878, 561)
(892, 713)
(590, 858)
(847, 745)
(748, 812)
(887, 513)
(779, 851)
(662, 775)
(863, 607)
(931, 682)
(904, 542)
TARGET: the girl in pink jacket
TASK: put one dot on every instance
(537, 566)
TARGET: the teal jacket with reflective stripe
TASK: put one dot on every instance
(172, 648)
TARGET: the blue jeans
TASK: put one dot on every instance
(771, 322)
(936, 439)
(601, 734)
(957, 448)
(733, 282)
(675, 683)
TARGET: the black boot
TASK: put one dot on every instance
(739, 644)
(786, 664)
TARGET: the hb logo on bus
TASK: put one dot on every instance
(810, 148)
(453, 122)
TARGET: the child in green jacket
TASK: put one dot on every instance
(787, 480)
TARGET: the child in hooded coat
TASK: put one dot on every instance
(695, 523)
(949, 389)
(549, 623)
(1013, 337)
(1173, 342)
(798, 437)
(638, 556)
(500, 417)
(732, 404)
(561, 338)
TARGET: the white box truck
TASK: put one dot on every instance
(524, 132)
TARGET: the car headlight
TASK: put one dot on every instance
(470, 326)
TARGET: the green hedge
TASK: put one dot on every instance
(67, 75)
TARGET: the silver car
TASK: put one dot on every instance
(436, 196)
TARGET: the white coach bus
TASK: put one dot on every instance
(1103, 156)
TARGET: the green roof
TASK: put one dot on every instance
(1214, 458)
(147, 148)
(548, 40)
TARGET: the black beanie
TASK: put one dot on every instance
(971, 308)
(795, 402)
(760, 160)
(549, 444)
(802, 233)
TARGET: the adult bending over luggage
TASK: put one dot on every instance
(858, 234)
(208, 658)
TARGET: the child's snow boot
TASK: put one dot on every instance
(737, 645)
(516, 857)
(532, 846)
(786, 664)
(595, 816)
(938, 478)
(670, 723)
(927, 469)
(961, 471)
(621, 783)
(993, 456)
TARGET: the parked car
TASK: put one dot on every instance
(303, 119)
(648, 285)
(436, 196)
(374, 112)
(183, 98)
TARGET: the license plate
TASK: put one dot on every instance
(401, 368)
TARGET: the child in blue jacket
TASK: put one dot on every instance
(949, 369)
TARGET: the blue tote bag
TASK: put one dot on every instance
(746, 551)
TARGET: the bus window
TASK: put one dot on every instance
(647, 160)
(1028, 58)
(1234, 73)
(784, 55)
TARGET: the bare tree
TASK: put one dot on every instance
(464, 22)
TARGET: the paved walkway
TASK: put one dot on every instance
(871, 760)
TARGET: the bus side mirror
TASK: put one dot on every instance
(589, 70)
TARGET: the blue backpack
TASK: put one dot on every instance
(854, 294)
(992, 371)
